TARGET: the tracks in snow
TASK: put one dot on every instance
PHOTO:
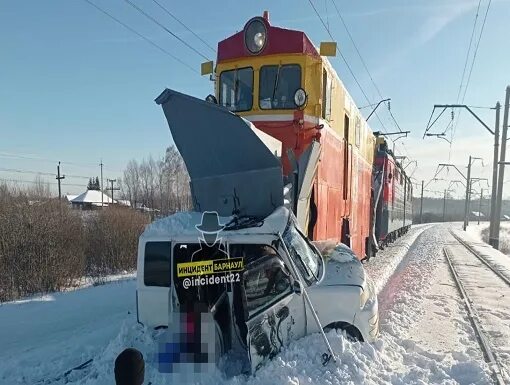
(469, 271)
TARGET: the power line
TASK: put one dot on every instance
(38, 182)
(9, 155)
(142, 36)
(363, 61)
(15, 170)
(184, 25)
(476, 49)
(345, 61)
(472, 62)
(351, 38)
(141, 11)
(469, 50)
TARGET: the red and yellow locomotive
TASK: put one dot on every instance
(277, 79)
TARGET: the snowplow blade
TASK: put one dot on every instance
(231, 169)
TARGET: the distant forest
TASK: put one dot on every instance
(433, 209)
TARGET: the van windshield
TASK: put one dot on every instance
(304, 256)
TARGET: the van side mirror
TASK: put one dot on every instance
(297, 287)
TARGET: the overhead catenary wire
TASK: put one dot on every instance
(142, 36)
(346, 63)
(363, 62)
(454, 129)
(469, 50)
(476, 49)
(141, 11)
(184, 25)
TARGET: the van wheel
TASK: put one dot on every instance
(351, 332)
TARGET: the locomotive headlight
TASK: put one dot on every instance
(300, 97)
(255, 35)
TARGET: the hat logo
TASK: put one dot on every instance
(210, 223)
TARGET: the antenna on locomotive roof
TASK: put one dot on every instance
(265, 15)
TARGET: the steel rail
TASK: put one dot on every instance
(482, 259)
(472, 315)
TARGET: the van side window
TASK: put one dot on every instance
(157, 264)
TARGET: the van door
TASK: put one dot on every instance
(275, 314)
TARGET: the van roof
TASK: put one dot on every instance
(183, 224)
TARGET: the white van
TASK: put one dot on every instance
(258, 303)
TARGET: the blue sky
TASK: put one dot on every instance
(77, 87)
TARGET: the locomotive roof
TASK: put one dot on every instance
(279, 41)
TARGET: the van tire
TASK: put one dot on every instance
(351, 332)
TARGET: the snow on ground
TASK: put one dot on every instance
(45, 338)
(480, 233)
(384, 264)
(475, 230)
(490, 297)
(495, 258)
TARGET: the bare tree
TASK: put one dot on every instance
(130, 188)
(40, 189)
(161, 184)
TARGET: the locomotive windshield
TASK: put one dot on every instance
(236, 89)
(278, 84)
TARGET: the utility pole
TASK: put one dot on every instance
(480, 206)
(468, 191)
(494, 179)
(496, 145)
(101, 165)
(444, 205)
(501, 173)
(59, 178)
(112, 188)
(421, 203)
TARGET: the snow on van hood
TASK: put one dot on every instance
(183, 223)
(343, 268)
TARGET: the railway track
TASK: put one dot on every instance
(482, 259)
(468, 272)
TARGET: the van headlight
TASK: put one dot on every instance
(367, 293)
(255, 35)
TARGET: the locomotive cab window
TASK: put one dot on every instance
(327, 87)
(277, 86)
(236, 89)
(358, 131)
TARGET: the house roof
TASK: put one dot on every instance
(92, 196)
